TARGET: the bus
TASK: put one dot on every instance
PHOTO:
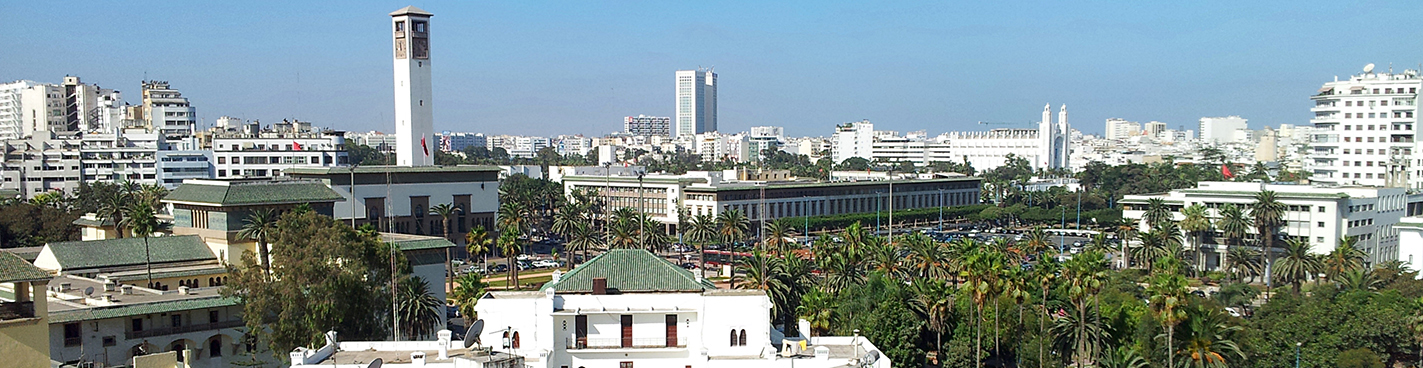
(721, 257)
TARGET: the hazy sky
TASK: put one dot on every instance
(545, 68)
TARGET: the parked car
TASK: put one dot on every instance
(546, 263)
(689, 265)
(497, 268)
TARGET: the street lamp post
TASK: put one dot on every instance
(641, 212)
(941, 210)
(878, 202)
(1297, 345)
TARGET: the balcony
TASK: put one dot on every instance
(17, 310)
(182, 329)
(590, 343)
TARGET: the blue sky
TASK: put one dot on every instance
(536, 67)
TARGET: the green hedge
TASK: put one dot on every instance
(818, 223)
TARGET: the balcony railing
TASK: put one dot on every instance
(617, 343)
(17, 310)
(181, 329)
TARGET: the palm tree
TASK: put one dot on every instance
(1268, 214)
(112, 206)
(259, 226)
(1235, 226)
(511, 245)
(477, 241)
(982, 268)
(1122, 357)
(1197, 223)
(1345, 258)
(1208, 342)
(1359, 279)
(1085, 275)
(1037, 241)
(141, 221)
(622, 231)
(1126, 232)
(417, 309)
(583, 238)
(1045, 275)
(926, 256)
(466, 294)
(778, 235)
(818, 308)
(1157, 213)
(934, 301)
(732, 225)
(1168, 296)
(1297, 264)
(1157, 244)
(1246, 262)
(702, 231)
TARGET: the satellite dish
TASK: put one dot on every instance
(89, 291)
(376, 363)
(471, 337)
(1369, 68)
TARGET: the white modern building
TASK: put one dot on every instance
(855, 139)
(1366, 130)
(762, 138)
(1410, 241)
(381, 142)
(1316, 214)
(167, 111)
(141, 157)
(648, 125)
(252, 152)
(696, 102)
(1121, 128)
(41, 164)
(630, 308)
(414, 101)
(1154, 128)
(1221, 129)
(456, 142)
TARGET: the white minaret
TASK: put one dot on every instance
(1066, 135)
(414, 120)
(1045, 139)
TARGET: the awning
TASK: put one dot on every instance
(1356, 88)
(1326, 89)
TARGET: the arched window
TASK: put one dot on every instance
(743, 337)
(733, 337)
(506, 339)
(516, 339)
(215, 347)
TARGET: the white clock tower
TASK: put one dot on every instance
(414, 121)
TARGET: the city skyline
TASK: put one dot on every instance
(546, 70)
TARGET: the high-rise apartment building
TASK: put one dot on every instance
(855, 139)
(167, 111)
(648, 125)
(1154, 128)
(1221, 129)
(1365, 130)
(1121, 128)
(696, 102)
(414, 115)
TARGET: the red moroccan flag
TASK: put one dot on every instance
(296, 145)
(423, 146)
(1225, 170)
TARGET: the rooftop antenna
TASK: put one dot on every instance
(1369, 68)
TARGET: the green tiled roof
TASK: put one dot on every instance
(629, 270)
(250, 193)
(129, 251)
(84, 221)
(417, 244)
(16, 269)
(121, 311)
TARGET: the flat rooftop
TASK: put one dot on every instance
(73, 305)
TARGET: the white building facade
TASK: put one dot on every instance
(414, 101)
(648, 125)
(1366, 130)
(1221, 129)
(696, 102)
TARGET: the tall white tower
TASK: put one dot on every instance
(1065, 139)
(696, 102)
(414, 120)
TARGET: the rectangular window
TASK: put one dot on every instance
(177, 320)
(624, 364)
(71, 334)
(212, 315)
(1321, 224)
(137, 324)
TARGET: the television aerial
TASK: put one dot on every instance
(1369, 68)
(471, 337)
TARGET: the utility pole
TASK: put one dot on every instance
(941, 210)
(641, 212)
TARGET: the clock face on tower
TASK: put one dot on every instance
(400, 48)
(422, 48)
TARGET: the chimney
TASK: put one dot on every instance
(64, 286)
(126, 290)
(600, 286)
(444, 340)
(183, 290)
(417, 358)
(108, 286)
